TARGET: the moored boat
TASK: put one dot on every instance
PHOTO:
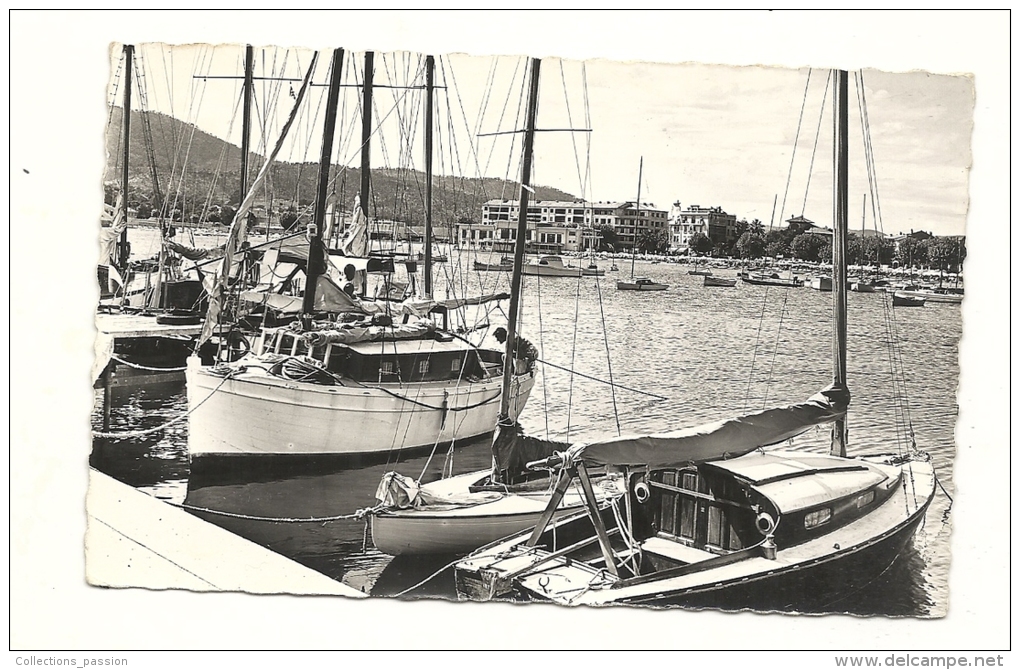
(901, 299)
(456, 515)
(640, 284)
(720, 281)
(552, 266)
(343, 378)
(709, 518)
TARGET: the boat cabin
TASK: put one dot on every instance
(399, 361)
(714, 509)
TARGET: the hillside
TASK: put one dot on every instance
(213, 171)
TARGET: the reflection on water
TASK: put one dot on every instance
(712, 352)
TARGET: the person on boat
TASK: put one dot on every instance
(524, 351)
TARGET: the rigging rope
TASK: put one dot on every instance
(814, 149)
(796, 140)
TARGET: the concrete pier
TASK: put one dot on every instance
(135, 540)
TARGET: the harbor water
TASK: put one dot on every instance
(711, 352)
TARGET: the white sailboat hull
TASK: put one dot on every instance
(932, 296)
(254, 413)
(462, 529)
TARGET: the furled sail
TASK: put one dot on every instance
(355, 242)
(108, 236)
(239, 227)
(713, 441)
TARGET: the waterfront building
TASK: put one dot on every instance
(556, 226)
(685, 223)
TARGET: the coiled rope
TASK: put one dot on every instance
(149, 431)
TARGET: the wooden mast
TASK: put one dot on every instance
(129, 58)
(366, 133)
(637, 213)
(316, 252)
(430, 67)
(509, 359)
(246, 117)
(839, 244)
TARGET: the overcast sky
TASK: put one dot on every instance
(711, 135)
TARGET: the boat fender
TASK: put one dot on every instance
(641, 492)
(765, 523)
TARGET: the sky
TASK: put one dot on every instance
(746, 139)
(59, 73)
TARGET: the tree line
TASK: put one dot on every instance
(797, 241)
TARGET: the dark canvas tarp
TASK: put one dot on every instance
(722, 439)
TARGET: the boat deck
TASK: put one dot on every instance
(138, 325)
(135, 540)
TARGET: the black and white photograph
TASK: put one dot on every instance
(531, 330)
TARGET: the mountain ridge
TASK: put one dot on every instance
(211, 176)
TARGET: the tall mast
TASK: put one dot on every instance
(509, 363)
(366, 133)
(430, 67)
(839, 243)
(246, 117)
(637, 214)
(316, 252)
(129, 57)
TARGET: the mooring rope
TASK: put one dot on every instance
(359, 514)
(149, 431)
(138, 366)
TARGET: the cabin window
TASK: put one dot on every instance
(716, 526)
(817, 518)
(687, 518)
(668, 513)
(455, 365)
(735, 542)
(423, 366)
(386, 367)
(865, 499)
(690, 481)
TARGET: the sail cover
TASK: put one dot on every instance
(108, 236)
(713, 441)
(239, 227)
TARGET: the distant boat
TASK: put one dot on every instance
(821, 283)
(505, 265)
(593, 270)
(699, 271)
(720, 281)
(640, 284)
(436, 258)
(901, 299)
(773, 279)
(551, 266)
(862, 287)
(933, 294)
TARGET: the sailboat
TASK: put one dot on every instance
(350, 376)
(147, 319)
(638, 283)
(458, 514)
(709, 517)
